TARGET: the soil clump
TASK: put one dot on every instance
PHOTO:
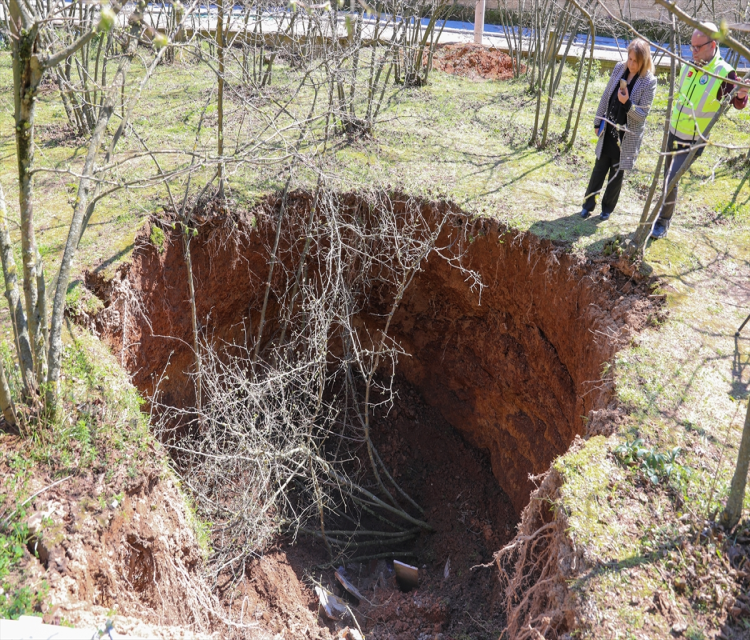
(473, 61)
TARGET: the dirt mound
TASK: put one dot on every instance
(473, 61)
(276, 596)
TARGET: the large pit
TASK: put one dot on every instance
(490, 390)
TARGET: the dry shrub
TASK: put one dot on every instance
(280, 441)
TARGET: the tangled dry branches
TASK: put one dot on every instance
(282, 440)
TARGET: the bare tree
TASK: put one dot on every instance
(732, 512)
(41, 42)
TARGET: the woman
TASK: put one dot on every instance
(619, 123)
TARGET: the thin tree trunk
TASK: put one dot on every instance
(732, 512)
(271, 266)
(592, 30)
(193, 316)
(665, 134)
(544, 66)
(575, 90)
(220, 104)
(6, 400)
(65, 101)
(27, 74)
(551, 93)
(17, 315)
(41, 312)
(74, 233)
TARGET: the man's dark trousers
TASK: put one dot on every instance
(679, 150)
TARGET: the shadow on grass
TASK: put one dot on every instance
(568, 229)
(709, 347)
(732, 205)
(740, 362)
(114, 258)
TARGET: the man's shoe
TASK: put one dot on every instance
(605, 215)
(659, 230)
(585, 213)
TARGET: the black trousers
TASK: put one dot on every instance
(608, 162)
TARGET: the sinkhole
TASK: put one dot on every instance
(493, 362)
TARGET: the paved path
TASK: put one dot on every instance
(608, 51)
(32, 628)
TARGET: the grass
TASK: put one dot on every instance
(683, 382)
(16, 598)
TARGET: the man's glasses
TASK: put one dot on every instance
(695, 49)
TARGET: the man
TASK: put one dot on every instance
(697, 102)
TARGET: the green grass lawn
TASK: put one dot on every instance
(456, 138)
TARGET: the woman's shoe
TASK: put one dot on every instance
(585, 213)
(604, 215)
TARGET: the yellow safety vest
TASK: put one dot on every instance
(697, 100)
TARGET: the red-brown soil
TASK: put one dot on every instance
(501, 383)
(472, 516)
(473, 61)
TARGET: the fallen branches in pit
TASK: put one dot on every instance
(282, 442)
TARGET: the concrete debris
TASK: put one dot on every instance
(332, 606)
(447, 570)
(32, 628)
(341, 577)
(407, 575)
(349, 634)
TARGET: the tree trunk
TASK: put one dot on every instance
(186, 231)
(731, 514)
(220, 103)
(27, 74)
(6, 401)
(76, 225)
(665, 136)
(17, 316)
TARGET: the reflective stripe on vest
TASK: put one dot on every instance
(697, 100)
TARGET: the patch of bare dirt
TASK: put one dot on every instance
(276, 595)
(473, 61)
(55, 135)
